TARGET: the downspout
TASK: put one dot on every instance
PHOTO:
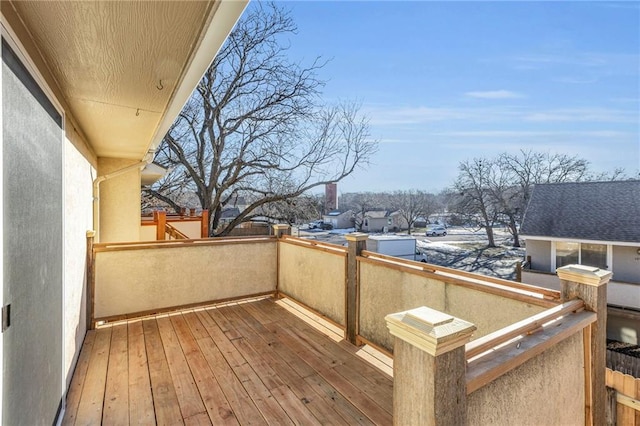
(148, 158)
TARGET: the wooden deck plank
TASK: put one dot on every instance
(196, 327)
(295, 407)
(318, 403)
(241, 404)
(278, 353)
(90, 407)
(78, 379)
(338, 403)
(357, 397)
(186, 390)
(140, 398)
(265, 365)
(209, 322)
(165, 400)
(198, 420)
(270, 407)
(223, 323)
(217, 406)
(116, 398)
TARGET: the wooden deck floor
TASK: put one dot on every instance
(248, 363)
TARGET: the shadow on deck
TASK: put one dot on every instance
(240, 363)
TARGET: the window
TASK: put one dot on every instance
(593, 255)
(567, 253)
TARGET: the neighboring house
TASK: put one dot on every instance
(339, 219)
(228, 214)
(376, 221)
(383, 221)
(590, 223)
(89, 89)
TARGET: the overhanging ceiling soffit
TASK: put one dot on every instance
(125, 68)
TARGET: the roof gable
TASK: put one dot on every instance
(600, 211)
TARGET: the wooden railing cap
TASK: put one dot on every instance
(356, 236)
(91, 233)
(584, 274)
(278, 226)
(432, 331)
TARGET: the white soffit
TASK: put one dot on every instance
(126, 68)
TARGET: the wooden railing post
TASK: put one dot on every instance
(590, 285)
(357, 241)
(429, 367)
(281, 229)
(90, 281)
(160, 218)
(204, 224)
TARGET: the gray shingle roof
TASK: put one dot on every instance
(601, 211)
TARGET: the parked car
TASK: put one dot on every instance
(320, 224)
(437, 230)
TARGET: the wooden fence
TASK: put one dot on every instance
(625, 399)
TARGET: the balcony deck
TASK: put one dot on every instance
(244, 363)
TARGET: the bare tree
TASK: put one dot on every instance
(253, 127)
(475, 200)
(413, 204)
(498, 190)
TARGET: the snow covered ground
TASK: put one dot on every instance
(462, 248)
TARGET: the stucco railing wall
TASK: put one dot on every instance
(315, 275)
(393, 286)
(548, 389)
(138, 278)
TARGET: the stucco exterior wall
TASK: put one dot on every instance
(535, 393)
(540, 252)
(190, 228)
(119, 202)
(384, 291)
(489, 312)
(626, 264)
(78, 218)
(148, 233)
(139, 280)
(314, 277)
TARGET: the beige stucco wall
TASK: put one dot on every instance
(148, 233)
(547, 390)
(489, 312)
(79, 172)
(315, 278)
(119, 202)
(384, 291)
(190, 228)
(131, 281)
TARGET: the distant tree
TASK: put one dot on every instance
(412, 204)
(254, 127)
(475, 201)
(498, 190)
(294, 210)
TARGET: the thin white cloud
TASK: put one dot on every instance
(494, 94)
(529, 134)
(410, 116)
(596, 115)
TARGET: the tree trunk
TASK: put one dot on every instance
(514, 231)
(489, 230)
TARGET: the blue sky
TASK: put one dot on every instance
(443, 82)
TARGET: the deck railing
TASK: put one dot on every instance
(161, 226)
(530, 343)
